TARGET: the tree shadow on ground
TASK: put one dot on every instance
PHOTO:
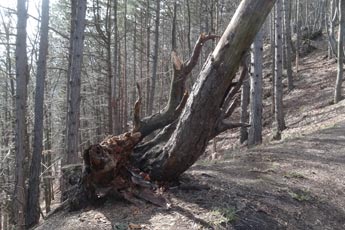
(298, 184)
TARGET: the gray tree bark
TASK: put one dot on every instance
(244, 118)
(287, 20)
(200, 119)
(33, 204)
(114, 97)
(155, 59)
(278, 85)
(331, 37)
(21, 138)
(74, 85)
(340, 70)
(273, 50)
(298, 24)
(255, 129)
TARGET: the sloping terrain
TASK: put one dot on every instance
(296, 183)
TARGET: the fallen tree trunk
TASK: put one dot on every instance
(202, 115)
(124, 166)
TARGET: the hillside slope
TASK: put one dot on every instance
(296, 183)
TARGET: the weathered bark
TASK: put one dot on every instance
(255, 130)
(181, 70)
(74, 84)
(148, 54)
(114, 99)
(339, 81)
(21, 140)
(189, 27)
(273, 50)
(244, 118)
(125, 74)
(201, 115)
(332, 43)
(173, 29)
(155, 59)
(278, 85)
(298, 34)
(107, 165)
(287, 40)
(32, 210)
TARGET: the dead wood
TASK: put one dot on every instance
(177, 96)
(107, 171)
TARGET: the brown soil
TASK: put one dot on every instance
(296, 183)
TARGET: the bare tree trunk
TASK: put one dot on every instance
(255, 130)
(74, 85)
(272, 41)
(245, 96)
(110, 76)
(115, 101)
(298, 24)
(47, 160)
(33, 204)
(21, 141)
(68, 77)
(189, 123)
(173, 30)
(199, 121)
(189, 27)
(155, 59)
(148, 47)
(332, 43)
(125, 75)
(134, 94)
(339, 81)
(287, 19)
(278, 86)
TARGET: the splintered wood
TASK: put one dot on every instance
(108, 171)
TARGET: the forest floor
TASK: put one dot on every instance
(295, 183)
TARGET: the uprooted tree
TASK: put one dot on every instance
(127, 165)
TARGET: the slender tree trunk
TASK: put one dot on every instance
(22, 78)
(33, 205)
(47, 159)
(278, 86)
(71, 39)
(298, 24)
(125, 75)
(273, 50)
(142, 45)
(109, 85)
(115, 102)
(134, 95)
(255, 130)
(189, 27)
(155, 59)
(173, 30)
(74, 85)
(148, 50)
(339, 81)
(244, 109)
(287, 19)
(331, 37)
